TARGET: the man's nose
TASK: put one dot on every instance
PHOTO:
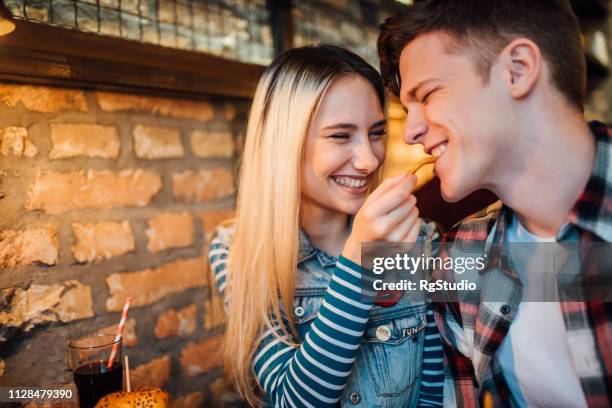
(415, 127)
(364, 158)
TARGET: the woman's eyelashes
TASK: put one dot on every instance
(378, 134)
(373, 134)
(339, 136)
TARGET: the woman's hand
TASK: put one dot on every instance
(389, 214)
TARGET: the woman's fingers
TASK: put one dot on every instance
(399, 213)
(392, 198)
(413, 234)
(385, 186)
(403, 228)
(386, 208)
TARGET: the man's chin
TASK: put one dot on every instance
(451, 194)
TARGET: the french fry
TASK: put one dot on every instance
(424, 162)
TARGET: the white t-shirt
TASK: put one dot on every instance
(535, 355)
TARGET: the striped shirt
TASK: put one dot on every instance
(316, 373)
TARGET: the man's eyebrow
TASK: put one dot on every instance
(341, 126)
(411, 94)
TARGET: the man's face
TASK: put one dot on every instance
(453, 113)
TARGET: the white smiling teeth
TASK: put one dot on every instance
(351, 182)
(439, 150)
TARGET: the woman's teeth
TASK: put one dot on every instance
(351, 182)
(439, 150)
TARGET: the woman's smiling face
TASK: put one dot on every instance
(344, 146)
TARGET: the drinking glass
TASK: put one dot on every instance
(88, 359)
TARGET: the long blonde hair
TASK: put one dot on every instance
(263, 252)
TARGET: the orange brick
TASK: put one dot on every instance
(19, 248)
(176, 322)
(63, 302)
(155, 373)
(56, 192)
(198, 110)
(207, 144)
(129, 333)
(214, 310)
(157, 142)
(214, 307)
(14, 140)
(103, 240)
(229, 111)
(201, 357)
(169, 230)
(212, 219)
(240, 143)
(201, 186)
(43, 99)
(83, 139)
(148, 286)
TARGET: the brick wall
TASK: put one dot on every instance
(105, 196)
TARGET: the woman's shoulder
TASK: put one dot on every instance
(218, 254)
(220, 246)
(223, 234)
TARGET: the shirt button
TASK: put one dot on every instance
(299, 311)
(505, 309)
(354, 397)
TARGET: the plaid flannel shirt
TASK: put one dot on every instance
(472, 330)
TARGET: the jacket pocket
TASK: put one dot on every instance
(393, 352)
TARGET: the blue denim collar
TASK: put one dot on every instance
(307, 251)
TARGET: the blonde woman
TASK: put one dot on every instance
(299, 331)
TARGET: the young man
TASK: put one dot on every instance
(495, 89)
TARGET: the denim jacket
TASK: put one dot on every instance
(402, 368)
(386, 372)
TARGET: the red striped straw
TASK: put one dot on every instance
(113, 354)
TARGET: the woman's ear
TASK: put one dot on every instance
(522, 63)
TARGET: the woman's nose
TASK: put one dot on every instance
(415, 126)
(364, 158)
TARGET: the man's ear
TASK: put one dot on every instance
(522, 63)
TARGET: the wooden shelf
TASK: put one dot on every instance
(38, 53)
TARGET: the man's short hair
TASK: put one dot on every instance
(482, 28)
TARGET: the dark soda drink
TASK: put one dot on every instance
(94, 380)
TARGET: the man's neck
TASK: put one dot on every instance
(326, 229)
(553, 166)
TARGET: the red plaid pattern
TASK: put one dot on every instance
(472, 331)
